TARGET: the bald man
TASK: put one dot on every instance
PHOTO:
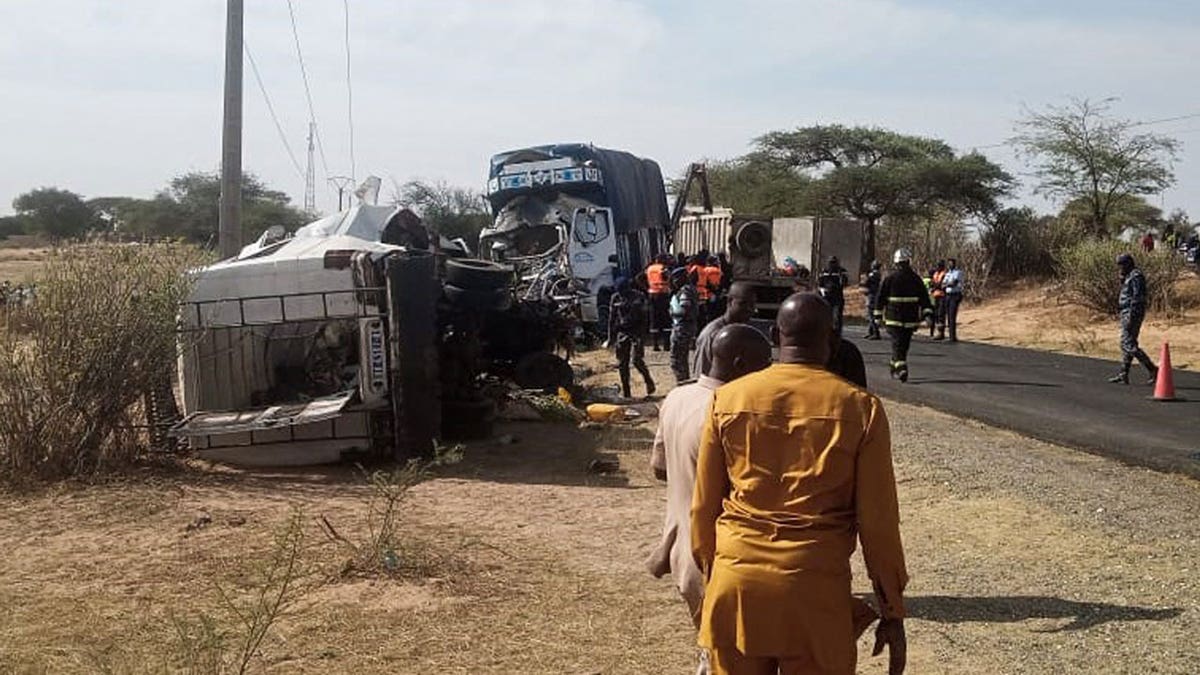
(739, 308)
(737, 350)
(794, 463)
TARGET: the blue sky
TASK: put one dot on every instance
(114, 98)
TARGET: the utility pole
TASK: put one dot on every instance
(310, 175)
(230, 226)
(341, 183)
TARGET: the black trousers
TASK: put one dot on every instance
(631, 348)
(953, 300)
(901, 341)
(839, 312)
(660, 319)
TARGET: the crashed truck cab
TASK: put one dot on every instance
(571, 217)
(302, 350)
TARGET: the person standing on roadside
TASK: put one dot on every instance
(903, 305)
(658, 279)
(870, 289)
(1132, 307)
(794, 464)
(738, 310)
(952, 284)
(832, 285)
(938, 295)
(684, 309)
(737, 350)
(627, 317)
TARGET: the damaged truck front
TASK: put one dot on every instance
(572, 216)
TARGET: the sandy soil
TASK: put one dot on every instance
(1024, 557)
(18, 265)
(1035, 317)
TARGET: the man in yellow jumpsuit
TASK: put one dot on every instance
(795, 463)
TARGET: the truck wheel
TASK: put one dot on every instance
(478, 275)
(489, 300)
(544, 371)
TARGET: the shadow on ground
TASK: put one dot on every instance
(1007, 609)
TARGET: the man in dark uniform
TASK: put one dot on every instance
(870, 288)
(903, 304)
(1132, 306)
(832, 283)
(627, 318)
(685, 308)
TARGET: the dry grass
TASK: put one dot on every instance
(1024, 558)
(98, 338)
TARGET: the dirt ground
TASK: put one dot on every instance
(1034, 316)
(18, 263)
(1024, 558)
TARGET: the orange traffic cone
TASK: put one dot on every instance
(1164, 386)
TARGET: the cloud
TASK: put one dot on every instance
(110, 98)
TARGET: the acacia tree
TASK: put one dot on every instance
(55, 212)
(872, 174)
(1080, 152)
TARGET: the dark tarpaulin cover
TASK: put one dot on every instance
(633, 187)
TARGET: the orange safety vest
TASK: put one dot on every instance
(656, 277)
(938, 291)
(711, 278)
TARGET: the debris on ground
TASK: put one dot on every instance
(199, 522)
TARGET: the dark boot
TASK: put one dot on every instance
(1152, 369)
(1122, 376)
(941, 334)
(625, 386)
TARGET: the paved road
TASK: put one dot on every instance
(1053, 397)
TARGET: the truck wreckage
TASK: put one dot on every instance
(355, 335)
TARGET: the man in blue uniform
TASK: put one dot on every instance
(1132, 306)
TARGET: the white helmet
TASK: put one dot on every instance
(902, 255)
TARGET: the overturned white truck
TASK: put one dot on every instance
(303, 349)
(571, 216)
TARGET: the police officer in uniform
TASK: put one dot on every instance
(627, 318)
(1132, 306)
(832, 283)
(870, 288)
(903, 305)
(685, 308)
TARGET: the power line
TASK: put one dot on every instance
(1166, 119)
(271, 109)
(312, 114)
(349, 88)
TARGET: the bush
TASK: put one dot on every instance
(1090, 273)
(98, 336)
(1019, 243)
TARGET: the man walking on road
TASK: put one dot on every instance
(952, 283)
(1132, 306)
(903, 304)
(794, 463)
(737, 350)
(627, 318)
(870, 289)
(685, 307)
(832, 284)
(738, 310)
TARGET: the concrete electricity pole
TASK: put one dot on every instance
(230, 228)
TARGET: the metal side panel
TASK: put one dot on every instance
(262, 419)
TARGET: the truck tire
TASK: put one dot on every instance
(475, 300)
(477, 275)
(544, 371)
(753, 239)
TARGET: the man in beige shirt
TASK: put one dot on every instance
(737, 350)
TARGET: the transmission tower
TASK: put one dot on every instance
(310, 175)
